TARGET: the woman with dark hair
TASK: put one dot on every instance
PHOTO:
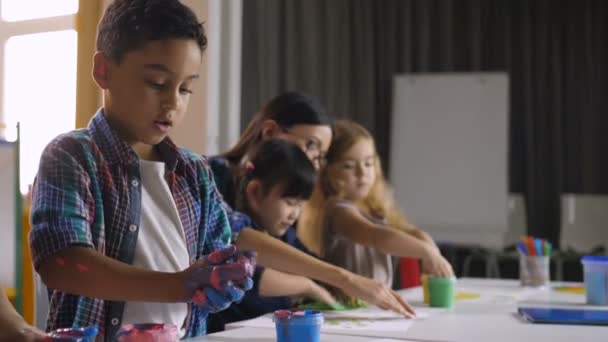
(291, 116)
(299, 119)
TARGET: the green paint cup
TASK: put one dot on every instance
(441, 291)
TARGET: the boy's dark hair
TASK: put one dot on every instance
(128, 24)
(287, 110)
(278, 162)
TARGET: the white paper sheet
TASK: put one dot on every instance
(389, 340)
(371, 313)
(363, 322)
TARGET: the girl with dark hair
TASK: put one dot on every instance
(278, 179)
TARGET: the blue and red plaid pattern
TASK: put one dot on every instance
(88, 193)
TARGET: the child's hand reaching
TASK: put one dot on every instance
(435, 264)
(220, 279)
(319, 293)
(22, 333)
(375, 292)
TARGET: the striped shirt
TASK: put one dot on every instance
(88, 193)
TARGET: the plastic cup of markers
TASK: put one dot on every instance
(73, 335)
(595, 269)
(441, 291)
(153, 332)
(298, 325)
(534, 270)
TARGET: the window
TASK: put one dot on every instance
(38, 51)
(16, 10)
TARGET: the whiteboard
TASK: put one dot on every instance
(8, 188)
(449, 154)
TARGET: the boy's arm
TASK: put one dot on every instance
(274, 283)
(279, 255)
(63, 212)
(84, 271)
(62, 243)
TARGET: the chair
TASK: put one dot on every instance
(584, 221)
(491, 258)
(583, 228)
(517, 219)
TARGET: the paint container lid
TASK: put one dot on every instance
(73, 335)
(148, 331)
(594, 259)
(298, 317)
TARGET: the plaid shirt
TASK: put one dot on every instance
(88, 193)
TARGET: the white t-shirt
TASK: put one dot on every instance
(161, 245)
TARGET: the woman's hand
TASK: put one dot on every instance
(319, 293)
(376, 293)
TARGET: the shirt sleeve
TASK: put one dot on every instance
(62, 205)
(215, 224)
(223, 179)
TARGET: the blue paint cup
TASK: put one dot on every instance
(298, 325)
(73, 335)
(596, 279)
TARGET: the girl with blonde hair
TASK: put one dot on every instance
(351, 219)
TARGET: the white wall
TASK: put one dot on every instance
(449, 154)
(192, 133)
(7, 214)
(224, 83)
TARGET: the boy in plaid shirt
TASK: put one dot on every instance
(125, 222)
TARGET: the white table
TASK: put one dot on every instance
(266, 335)
(490, 317)
(493, 316)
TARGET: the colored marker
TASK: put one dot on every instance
(530, 245)
(522, 248)
(538, 244)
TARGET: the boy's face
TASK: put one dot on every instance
(147, 94)
(272, 212)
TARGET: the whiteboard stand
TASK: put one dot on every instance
(449, 155)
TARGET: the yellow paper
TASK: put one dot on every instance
(466, 295)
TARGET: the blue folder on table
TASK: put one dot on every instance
(565, 316)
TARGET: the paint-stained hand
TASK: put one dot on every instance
(221, 278)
